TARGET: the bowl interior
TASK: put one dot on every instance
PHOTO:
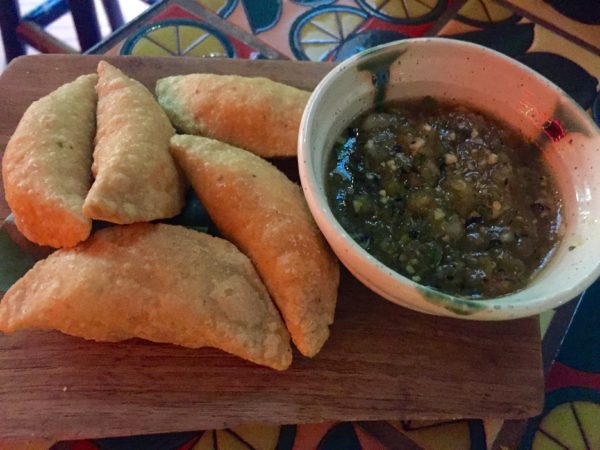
(476, 76)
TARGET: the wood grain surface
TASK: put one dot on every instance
(381, 362)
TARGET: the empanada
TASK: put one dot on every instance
(265, 215)
(46, 165)
(136, 178)
(163, 283)
(255, 114)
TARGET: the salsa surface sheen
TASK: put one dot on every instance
(446, 196)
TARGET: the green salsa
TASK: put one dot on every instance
(446, 196)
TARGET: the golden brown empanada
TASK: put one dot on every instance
(163, 283)
(256, 114)
(265, 215)
(46, 166)
(136, 178)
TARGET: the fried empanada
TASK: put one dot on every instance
(46, 165)
(136, 178)
(265, 215)
(256, 114)
(163, 283)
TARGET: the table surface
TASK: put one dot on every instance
(558, 38)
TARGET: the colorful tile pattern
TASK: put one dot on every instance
(333, 30)
(578, 20)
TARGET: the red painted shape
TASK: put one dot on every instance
(174, 12)
(562, 376)
(373, 23)
(80, 445)
(554, 129)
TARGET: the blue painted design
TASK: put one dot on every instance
(194, 216)
(512, 40)
(313, 3)
(14, 262)
(47, 12)
(262, 15)
(581, 347)
(596, 110)
(477, 435)
(566, 74)
(364, 40)
(295, 36)
(228, 8)
(340, 436)
(287, 437)
(584, 11)
(130, 43)
(433, 14)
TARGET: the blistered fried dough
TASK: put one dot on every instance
(265, 215)
(163, 283)
(256, 114)
(46, 165)
(136, 178)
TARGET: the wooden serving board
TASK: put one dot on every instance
(381, 362)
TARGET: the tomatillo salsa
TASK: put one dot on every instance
(445, 195)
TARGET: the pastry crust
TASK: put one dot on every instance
(136, 177)
(163, 283)
(261, 211)
(256, 114)
(46, 165)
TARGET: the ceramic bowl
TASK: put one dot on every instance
(474, 75)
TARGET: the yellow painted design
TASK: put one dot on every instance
(205, 442)
(571, 425)
(213, 5)
(319, 52)
(349, 22)
(455, 27)
(228, 441)
(165, 37)
(492, 428)
(403, 9)
(311, 33)
(485, 11)
(434, 435)
(189, 35)
(262, 437)
(543, 442)
(211, 46)
(589, 415)
(179, 40)
(326, 31)
(144, 47)
(240, 438)
(327, 22)
(545, 319)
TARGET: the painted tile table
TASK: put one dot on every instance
(558, 38)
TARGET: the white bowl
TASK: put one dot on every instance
(471, 74)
